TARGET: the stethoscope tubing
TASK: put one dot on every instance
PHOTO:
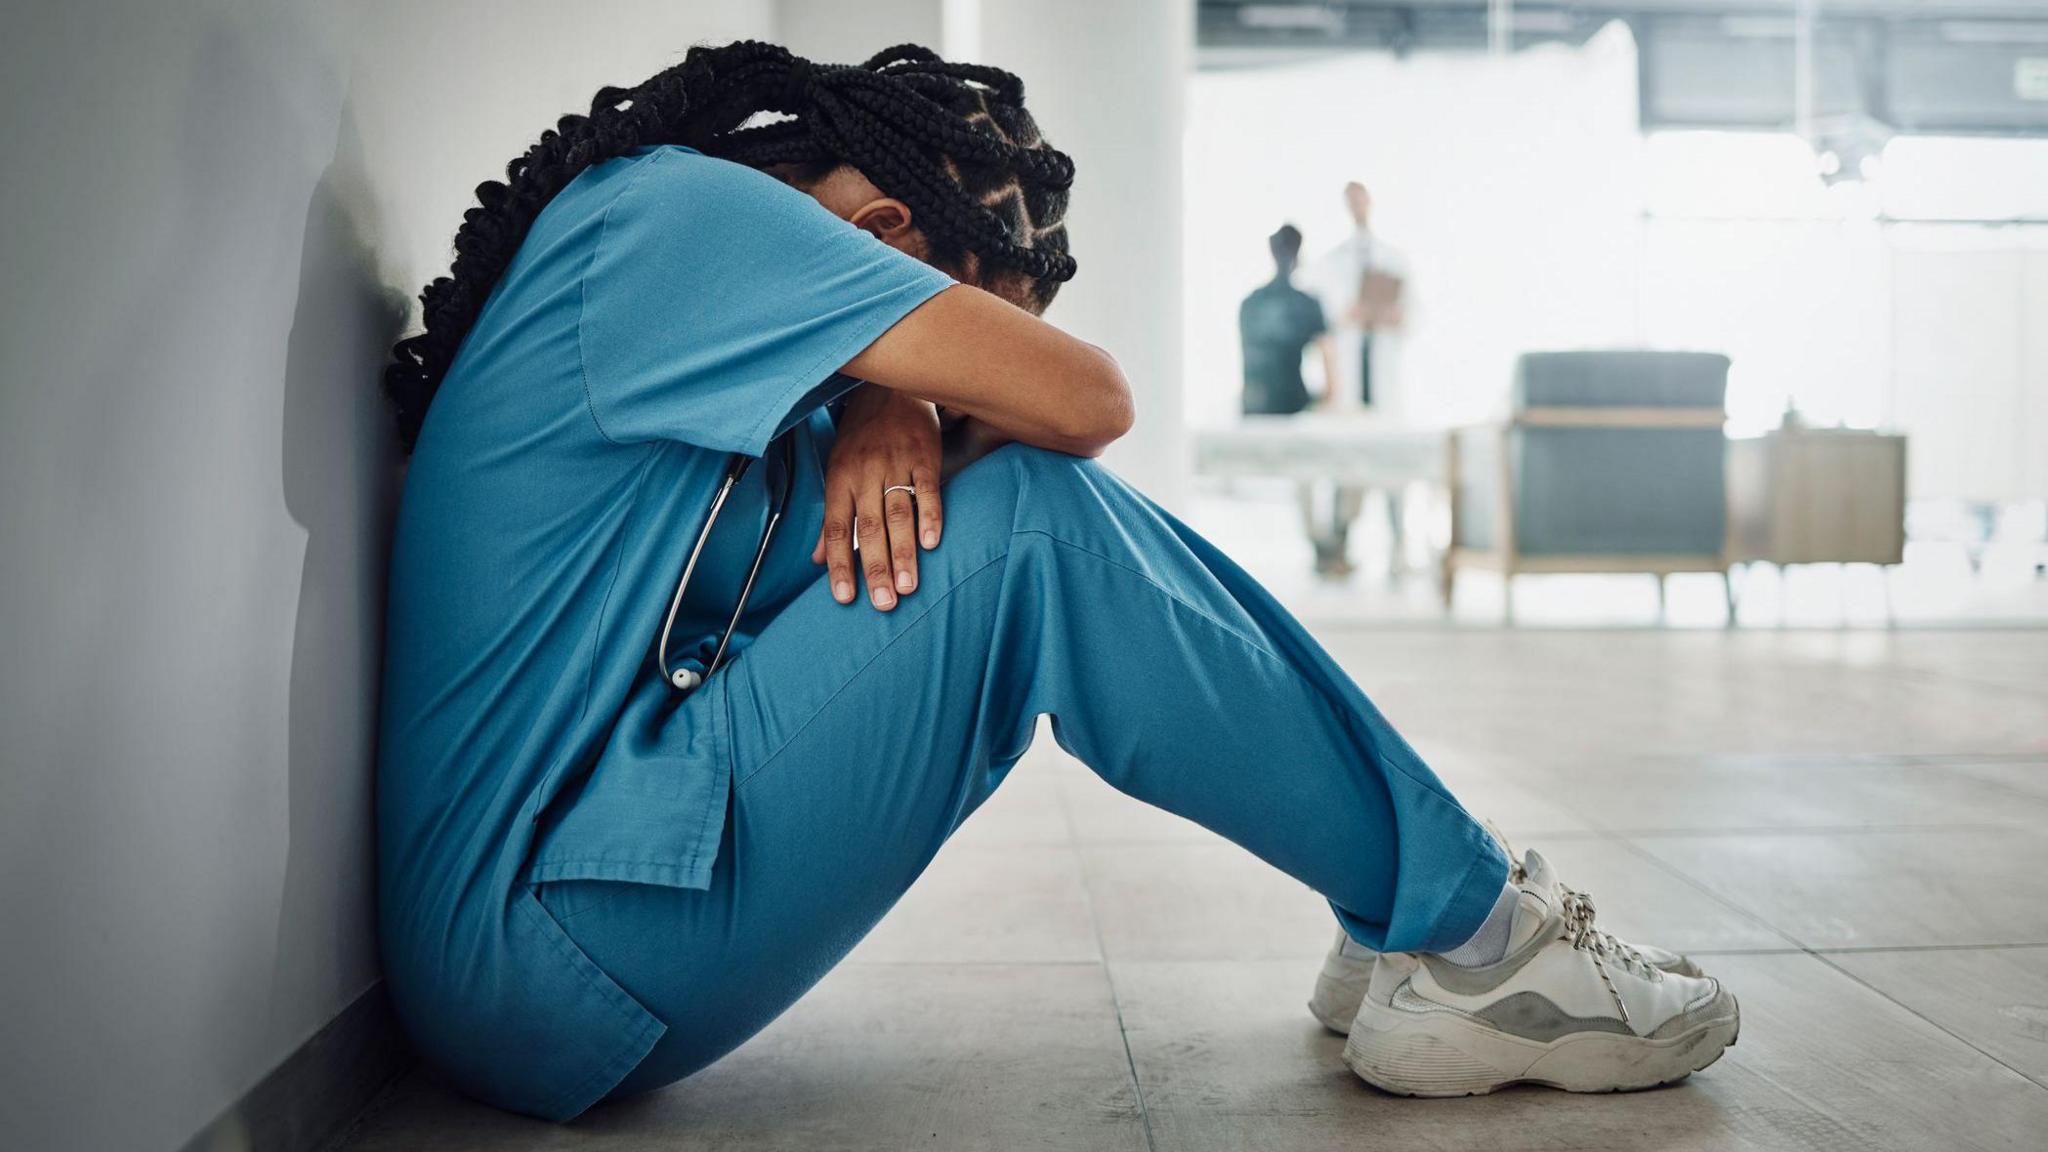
(687, 679)
(746, 589)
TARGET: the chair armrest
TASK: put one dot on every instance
(1564, 416)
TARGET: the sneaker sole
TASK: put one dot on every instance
(1339, 992)
(1444, 1054)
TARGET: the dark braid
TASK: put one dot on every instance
(952, 141)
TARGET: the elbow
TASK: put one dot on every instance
(1107, 412)
(1117, 414)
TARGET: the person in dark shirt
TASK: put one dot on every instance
(1276, 323)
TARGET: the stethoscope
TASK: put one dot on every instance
(687, 679)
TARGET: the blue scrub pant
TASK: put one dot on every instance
(861, 740)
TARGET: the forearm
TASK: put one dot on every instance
(969, 352)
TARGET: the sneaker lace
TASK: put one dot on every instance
(1604, 947)
(1577, 906)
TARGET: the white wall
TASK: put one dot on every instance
(189, 563)
(456, 88)
(1929, 327)
(216, 210)
(1107, 83)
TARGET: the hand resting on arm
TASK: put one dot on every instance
(1001, 374)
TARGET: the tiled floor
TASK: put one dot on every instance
(1849, 828)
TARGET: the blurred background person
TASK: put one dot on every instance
(1276, 324)
(1361, 282)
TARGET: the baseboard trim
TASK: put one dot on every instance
(320, 1089)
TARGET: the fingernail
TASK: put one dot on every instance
(931, 538)
(842, 591)
(905, 581)
(884, 598)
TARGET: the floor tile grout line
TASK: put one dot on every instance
(1811, 830)
(1591, 835)
(1823, 958)
(1679, 874)
(1625, 837)
(1630, 846)
(1874, 949)
(1320, 620)
(1869, 949)
(1213, 841)
(1787, 950)
(1798, 762)
(1601, 832)
(856, 962)
(1116, 1003)
(1974, 759)
(1929, 1021)
(1130, 1060)
(1814, 950)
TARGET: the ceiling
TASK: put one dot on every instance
(1974, 67)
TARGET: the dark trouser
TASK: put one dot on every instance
(1365, 369)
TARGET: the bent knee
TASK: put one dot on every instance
(1029, 467)
(1019, 457)
(1015, 478)
(1024, 488)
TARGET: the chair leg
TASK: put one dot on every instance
(1663, 595)
(1728, 588)
(1397, 531)
(1507, 592)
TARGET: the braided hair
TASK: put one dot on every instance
(950, 140)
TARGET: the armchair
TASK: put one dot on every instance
(1612, 461)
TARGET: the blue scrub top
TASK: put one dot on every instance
(666, 309)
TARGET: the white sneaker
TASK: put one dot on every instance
(1570, 1007)
(1347, 969)
(1340, 986)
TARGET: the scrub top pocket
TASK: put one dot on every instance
(651, 811)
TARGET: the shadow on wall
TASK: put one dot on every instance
(197, 472)
(340, 467)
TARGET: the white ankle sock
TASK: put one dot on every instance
(1489, 945)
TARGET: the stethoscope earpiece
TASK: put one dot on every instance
(685, 679)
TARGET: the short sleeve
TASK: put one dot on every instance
(1312, 322)
(719, 304)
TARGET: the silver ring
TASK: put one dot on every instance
(901, 488)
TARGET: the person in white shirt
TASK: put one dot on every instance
(1360, 282)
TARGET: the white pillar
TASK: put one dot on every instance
(1107, 84)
